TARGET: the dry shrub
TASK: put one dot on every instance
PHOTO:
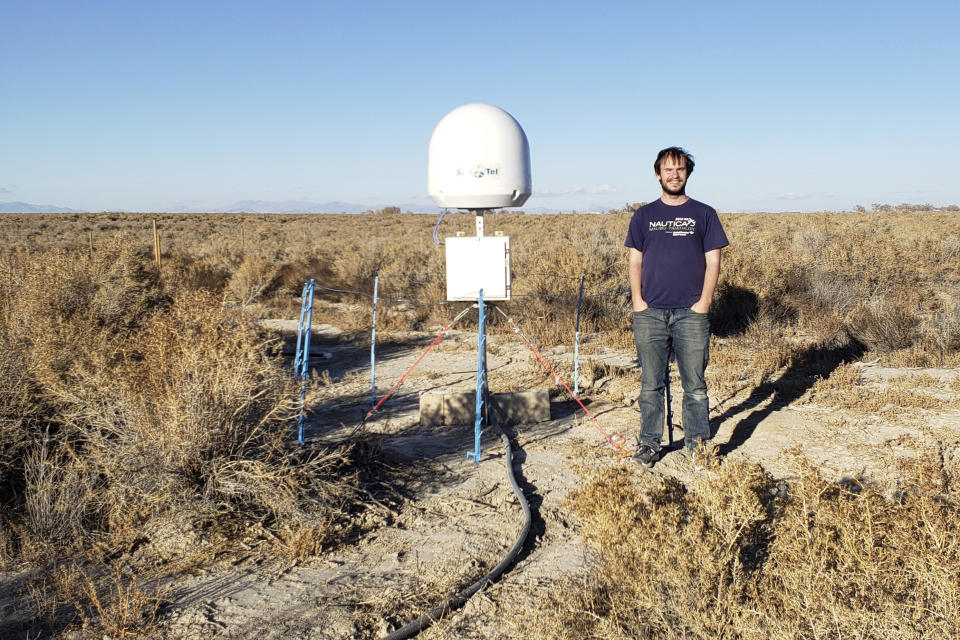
(671, 563)
(741, 556)
(851, 561)
(69, 313)
(887, 276)
(727, 374)
(117, 607)
(126, 406)
(734, 310)
(884, 326)
(749, 359)
(941, 336)
(111, 290)
(192, 272)
(593, 373)
(254, 277)
(195, 418)
(358, 265)
(823, 325)
(843, 389)
(104, 601)
(61, 504)
(53, 598)
(19, 415)
(766, 362)
(213, 410)
(832, 290)
(896, 396)
(875, 278)
(844, 379)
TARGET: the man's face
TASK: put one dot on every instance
(673, 175)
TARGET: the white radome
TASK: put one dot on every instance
(479, 158)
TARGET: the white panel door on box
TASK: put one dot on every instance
(478, 263)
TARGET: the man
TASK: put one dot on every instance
(674, 262)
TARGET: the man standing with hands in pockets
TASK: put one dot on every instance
(674, 248)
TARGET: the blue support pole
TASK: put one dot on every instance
(373, 345)
(303, 314)
(305, 360)
(481, 380)
(576, 342)
(307, 323)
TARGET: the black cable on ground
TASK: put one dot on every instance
(458, 600)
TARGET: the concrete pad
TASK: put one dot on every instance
(522, 407)
(460, 408)
(518, 407)
(431, 409)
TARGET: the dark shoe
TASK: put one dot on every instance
(646, 455)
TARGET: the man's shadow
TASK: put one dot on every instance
(735, 310)
(817, 361)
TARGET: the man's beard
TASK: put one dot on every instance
(681, 191)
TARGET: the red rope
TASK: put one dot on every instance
(435, 342)
(617, 439)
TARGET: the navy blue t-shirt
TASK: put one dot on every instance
(673, 240)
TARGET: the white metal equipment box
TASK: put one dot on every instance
(478, 263)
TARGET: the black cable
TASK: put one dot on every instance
(458, 600)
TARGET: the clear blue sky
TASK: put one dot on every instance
(155, 105)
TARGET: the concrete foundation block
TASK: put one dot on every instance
(517, 407)
(431, 409)
(460, 408)
(522, 407)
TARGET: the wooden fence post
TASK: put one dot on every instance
(156, 245)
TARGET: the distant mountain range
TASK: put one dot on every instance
(336, 206)
(26, 207)
(285, 206)
(259, 206)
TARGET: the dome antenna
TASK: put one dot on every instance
(479, 161)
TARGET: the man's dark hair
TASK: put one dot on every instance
(674, 153)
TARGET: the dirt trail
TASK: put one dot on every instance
(454, 520)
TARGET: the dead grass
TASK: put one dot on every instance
(739, 555)
(96, 599)
(405, 600)
(135, 403)
(128, 405)
(844, 389)
(876, 277)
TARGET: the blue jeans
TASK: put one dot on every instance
(654, 331)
